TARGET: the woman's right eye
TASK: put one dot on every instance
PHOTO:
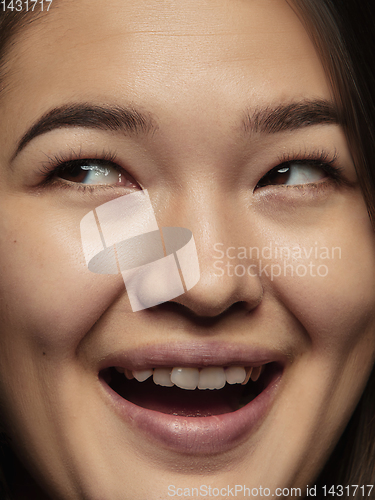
(93, 172)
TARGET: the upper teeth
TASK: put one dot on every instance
(212, 377)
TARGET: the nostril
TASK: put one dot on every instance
(200, 318)
(214, 296)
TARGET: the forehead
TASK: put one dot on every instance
(162, 54)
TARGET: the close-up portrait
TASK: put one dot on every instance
(187, 249)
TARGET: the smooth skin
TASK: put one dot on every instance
(194, 68)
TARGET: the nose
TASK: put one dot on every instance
(225, 279)
(214, 295)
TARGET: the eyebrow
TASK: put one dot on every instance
(292, 116)
(90, 116)
(265, 120)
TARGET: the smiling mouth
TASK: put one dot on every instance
(192, 391)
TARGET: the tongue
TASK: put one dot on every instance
(176, 401)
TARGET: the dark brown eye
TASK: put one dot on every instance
(293, 173)
(94, 172)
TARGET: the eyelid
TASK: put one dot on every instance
(327, 161)
(56, 162)
(59, 162)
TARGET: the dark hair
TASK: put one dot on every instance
(11, 23)
(343, 33)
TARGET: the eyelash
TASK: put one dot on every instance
(61, 162)
(319, 158)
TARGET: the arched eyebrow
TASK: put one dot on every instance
(292, 116)
(86, 115)
(265, 120)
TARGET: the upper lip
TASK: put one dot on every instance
(192, 354)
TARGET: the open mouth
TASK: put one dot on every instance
(189, 391)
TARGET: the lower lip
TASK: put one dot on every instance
(196, 435)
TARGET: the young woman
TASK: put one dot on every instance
(252, 125)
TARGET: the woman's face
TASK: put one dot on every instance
(240, 145)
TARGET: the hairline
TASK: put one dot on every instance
(11, 24)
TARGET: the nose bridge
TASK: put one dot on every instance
(216, 222)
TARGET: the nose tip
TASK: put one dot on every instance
(216, 293)
(213, 220)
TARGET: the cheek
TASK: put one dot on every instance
(49, 298)
(332, 292)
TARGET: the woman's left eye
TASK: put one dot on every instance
(294, 173)
(93, 172)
